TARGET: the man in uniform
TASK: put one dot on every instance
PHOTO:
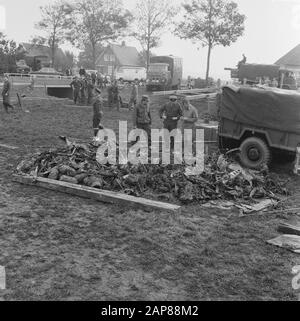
(97, 112)
(189, 118)
(134, 96)
(171, 112)
(76, 86)
(99, 80)
(6, 94)
(142, 116)
(110, 95)
(83, 90)
(90, 88)
(115, 92)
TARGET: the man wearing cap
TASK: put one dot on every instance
(76, 86)
(171, 113)
(142, 116)
(97, 112)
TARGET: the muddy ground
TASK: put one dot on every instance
(60, 247)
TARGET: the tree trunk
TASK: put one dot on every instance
(148, 55)
(94, 55)
(208, 64)
(53, 55)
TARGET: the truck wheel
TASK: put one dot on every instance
(254, 153)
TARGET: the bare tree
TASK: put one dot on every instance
(152, 18)
(55, 19)
(212, 23)
(97, 21)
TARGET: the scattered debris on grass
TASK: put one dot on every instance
(222, 179)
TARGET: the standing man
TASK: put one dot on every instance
(90, 88)
(171, 112)
(76, 86)
(134, 96)
(6, 94)
(99, 80)
(142, 116)
(83, 91)
(97, 112)
(189, 118)
(115, 92)
(110, 95)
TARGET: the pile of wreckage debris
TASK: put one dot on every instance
(224, 183)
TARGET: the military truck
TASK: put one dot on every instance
(165, 73)
(251, 73)
(261, 122)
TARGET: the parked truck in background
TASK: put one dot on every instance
(261, 122)
(165, 73)
(252, 73)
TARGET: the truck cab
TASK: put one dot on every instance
(260, 122)
(159, 76)
(165, 73)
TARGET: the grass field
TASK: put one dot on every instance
(59, 247)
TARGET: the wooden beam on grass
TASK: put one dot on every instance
(201, 96)
(185, 91)
(287, 228)
(93, 193)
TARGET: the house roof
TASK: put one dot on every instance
(291, 58)
(33, 50)
(126, 55)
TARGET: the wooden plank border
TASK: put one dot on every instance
(93, 193)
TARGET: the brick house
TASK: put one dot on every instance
(121, 61)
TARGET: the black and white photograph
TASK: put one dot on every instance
(149, 152)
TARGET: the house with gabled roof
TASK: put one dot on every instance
(39, 56)
(291, 60)
(121, 62)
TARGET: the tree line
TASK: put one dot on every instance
(90, 24)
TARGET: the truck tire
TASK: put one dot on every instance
(254, 153)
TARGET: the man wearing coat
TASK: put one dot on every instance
(76, 86)
(6, 94)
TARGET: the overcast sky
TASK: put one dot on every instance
(272, 29)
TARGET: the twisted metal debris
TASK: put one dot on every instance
(223, 179)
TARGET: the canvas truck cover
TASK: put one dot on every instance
(253, 71)
(265, 108)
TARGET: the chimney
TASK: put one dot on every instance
(123, 43)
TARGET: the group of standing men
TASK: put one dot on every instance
(82, 89)
(174, 115)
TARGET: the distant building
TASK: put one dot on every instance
(121, 61)
(291, 60)
(39, 56)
